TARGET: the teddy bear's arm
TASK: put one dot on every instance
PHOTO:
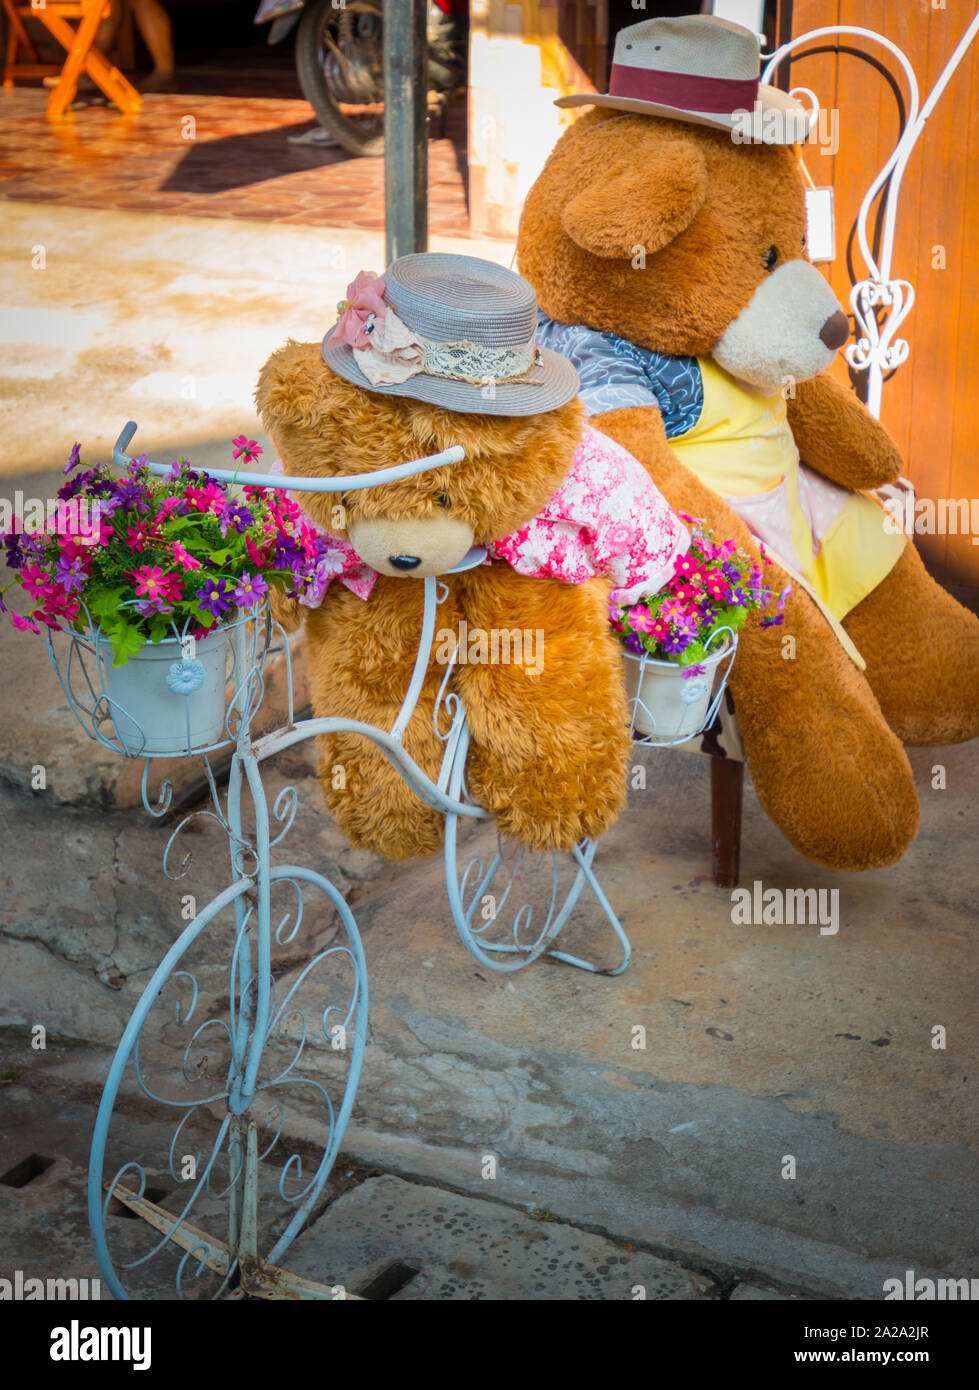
(838, 436)
(286, 611)
(549, 734)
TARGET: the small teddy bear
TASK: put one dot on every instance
(442, 351)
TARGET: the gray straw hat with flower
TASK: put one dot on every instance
(454, 331)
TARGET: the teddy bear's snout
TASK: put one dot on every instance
(411, 547)
(789, 331)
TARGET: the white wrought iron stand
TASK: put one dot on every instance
(249, 1089)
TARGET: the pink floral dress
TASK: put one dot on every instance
(606, 517)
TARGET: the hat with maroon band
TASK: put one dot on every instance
(701, 69)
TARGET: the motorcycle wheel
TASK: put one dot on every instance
(339, 59)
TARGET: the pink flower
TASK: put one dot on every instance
(672, 609)
(149, 580)
(256, 556)
(138, 536)
(686, 565)
(171, 588)
(24, 624)
(364, 301)
(716, 586)
(34, 578)
(642, 620)
(206, 499)
(246, 449)
(183, 557)
(57, 602)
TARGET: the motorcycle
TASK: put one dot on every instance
(339, 60)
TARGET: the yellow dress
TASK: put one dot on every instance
(833, 539)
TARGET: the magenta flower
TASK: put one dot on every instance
(34, 579)
(183, 557)
(148, 580)
(642, 619)
(246, 449)
(24, 624)
(138, 537)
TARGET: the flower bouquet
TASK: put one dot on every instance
(143, 570)
(675, 639)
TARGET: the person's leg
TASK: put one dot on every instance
(157, 31)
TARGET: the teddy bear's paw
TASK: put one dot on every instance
(392, 837)
(852, 807)
(286, 611)
(543, 830)
(922, 654)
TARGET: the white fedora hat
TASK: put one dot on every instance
(453, 331)
(701, 69)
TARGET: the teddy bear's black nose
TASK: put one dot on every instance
(835, 330)
(404, 562)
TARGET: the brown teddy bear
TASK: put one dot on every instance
(441, 351)
(666, 241)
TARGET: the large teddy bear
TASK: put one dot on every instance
(441, 351)
(666, 240)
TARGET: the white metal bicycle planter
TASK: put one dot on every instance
(249, 1091)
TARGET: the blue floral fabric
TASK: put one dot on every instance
(616, 373)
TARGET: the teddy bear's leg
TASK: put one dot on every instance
(922, 655)
(360, 664)
(549, 734)
(826, 766)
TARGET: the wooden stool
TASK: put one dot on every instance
(77, 43)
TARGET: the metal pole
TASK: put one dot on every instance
(405, 127)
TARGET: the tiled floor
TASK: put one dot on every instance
(238, 161)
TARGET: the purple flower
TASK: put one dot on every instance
(249, 590)
(773, 620)
(74, 485)
(71, 575)
(132, 496)
(235, 515)
(288, 554)
(633, 643)
(695, 670)
(730, 570)
(108, 505)
(783, 596)
(678, 642)
(14, 557)
(148, 606)
(33, 545)
(74, 458)
(212, 596)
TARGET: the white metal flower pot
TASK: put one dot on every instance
(163, 703)
(664, 704)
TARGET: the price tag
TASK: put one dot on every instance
(821, 228)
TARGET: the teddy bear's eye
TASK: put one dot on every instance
(771, 258)
(442, 500)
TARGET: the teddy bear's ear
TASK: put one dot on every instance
(645, 205)
(294, 386)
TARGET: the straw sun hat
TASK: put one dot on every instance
(454, 331)
(702, 69)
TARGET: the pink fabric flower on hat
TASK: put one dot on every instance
(365, 297)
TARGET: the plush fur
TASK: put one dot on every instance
(663, 233)
(549, 750)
